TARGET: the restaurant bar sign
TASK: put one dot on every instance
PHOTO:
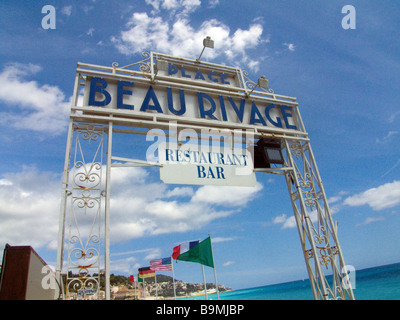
(196, 94)
(205, 165)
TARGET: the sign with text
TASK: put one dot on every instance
(205, 165)
(187, 103)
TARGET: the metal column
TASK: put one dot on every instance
(64, 191)
(81, 212)
(317, 231)
(107, 212)
(61, 224)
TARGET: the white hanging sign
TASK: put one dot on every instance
(205, 165)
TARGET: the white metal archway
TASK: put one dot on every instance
(86, 180)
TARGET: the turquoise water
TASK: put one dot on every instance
(378, 283)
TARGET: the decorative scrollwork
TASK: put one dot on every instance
(91, 132)
(304, 180)
(325, 256)
(320, 238)
(88, 177)
(309, 199)
(326, 253)
(309, 254)
(296, 149)
(83, 264)
(340, 293)
(84, 202)
(334, 250)
(250, 84)
(144, 65)
(83, 286)
(79, 256)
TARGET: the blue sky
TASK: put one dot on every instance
(347, 83)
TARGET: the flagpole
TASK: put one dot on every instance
(144, 292)
(135, 286)
(173, 278)
(204, 279)
(155, 280)
(215, 273)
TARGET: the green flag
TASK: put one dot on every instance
(201, 253)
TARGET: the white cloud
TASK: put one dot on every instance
(30, 206)
(383, 197)
(334, 199)
(125, 266)
(228, 263)
(174, 216)
(387, 138)
(152, 254)
(335, 202)
(290, 46)
(176, 7)
(392, 168)
(180, 192)
(147, 251)
(226, 196)
(287, 222)
(179, 38)
(90, 32)
(213, 3)
(143, 32)
(31, 106)
(393, 116)
(222, 239)
(370, 220)
(243, 39)
(87, 8)
(280, 219)
(134, 260)
(124, 176)
(253, 65)
(290, 222)
(149, 210)
(66, 10)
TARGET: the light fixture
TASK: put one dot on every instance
(207, 43)
(161, 65)
(262, 83)
(268, 151)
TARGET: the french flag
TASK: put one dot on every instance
(183, 247)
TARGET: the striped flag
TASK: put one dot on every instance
(146, 272)
(195, 251)
(184, 247)
(164, 264)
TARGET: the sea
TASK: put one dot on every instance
(377, 283)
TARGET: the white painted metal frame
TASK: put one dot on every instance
(85, 212)
(317, 231)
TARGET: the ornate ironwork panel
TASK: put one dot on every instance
(85, 218)
(317, 230)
